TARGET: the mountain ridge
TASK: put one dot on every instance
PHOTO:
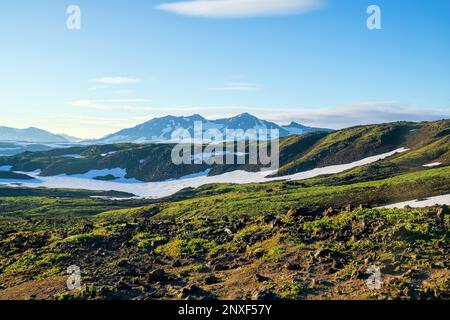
(33, 135)
(428, 143)
(161, 129)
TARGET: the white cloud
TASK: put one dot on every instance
(122, 91)
(335, 118)
(358, 114)
(236, 86)
(89, 104)
(120, 105)
(240, 8)
(115, 80)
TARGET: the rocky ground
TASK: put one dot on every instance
(295, 255)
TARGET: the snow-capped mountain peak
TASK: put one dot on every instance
(161, 129)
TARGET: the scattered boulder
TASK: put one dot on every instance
(188, 291)
(156, 275)
(290, 266)
(262, 294)
(124, 263)
(211, 279)
(261, 278)
(176, 263)
(358, 274)
(322, 253)
(220, 267)
(348, 208)
(268, 218)
(258, 253)
(276, 223)
(441, 212)
(330, 212)
(87, 228)
(123, 285)
(293, 213)
(184, 293)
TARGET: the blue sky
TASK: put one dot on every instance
(312, 61)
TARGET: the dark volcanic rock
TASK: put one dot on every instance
(156, 275)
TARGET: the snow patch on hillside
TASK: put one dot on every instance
(342, 167)
(167, 188)
(429, 202)
(108, 153)
(430, 165)
(119, 173)
(75, 156)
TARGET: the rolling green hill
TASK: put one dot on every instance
(428, 141)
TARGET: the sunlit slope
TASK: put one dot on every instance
(428, 142)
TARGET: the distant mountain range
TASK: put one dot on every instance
(161, 129)
(157, 130)
(33, 135)
(426, 145)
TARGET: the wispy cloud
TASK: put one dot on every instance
(359, 114)
(336, 117)
(89, 104)
(122, 91)
(115, 80)
(236, 86)
(129, 105)
(240, 8)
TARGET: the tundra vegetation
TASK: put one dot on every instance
(309, 239)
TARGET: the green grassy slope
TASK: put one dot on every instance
(427, 141)
(276, 197)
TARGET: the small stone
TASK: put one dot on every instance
(290, 266)
(262, 294)
(258, 253)
(102, 291)
(156, 275)
(220, 267)
(357, 274)
(122, 285)
(211, 279)
(176, 263)
(184, 293)
(123, 263)
(189, 291)
(293, 213)
(268, 218)
(321, 253)
(441, 212)
(261, 278)
(329, 212)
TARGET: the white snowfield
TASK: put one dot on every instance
(166, 188)
(430, 165)
(119, 173)
(75, 156)
(429, 202)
